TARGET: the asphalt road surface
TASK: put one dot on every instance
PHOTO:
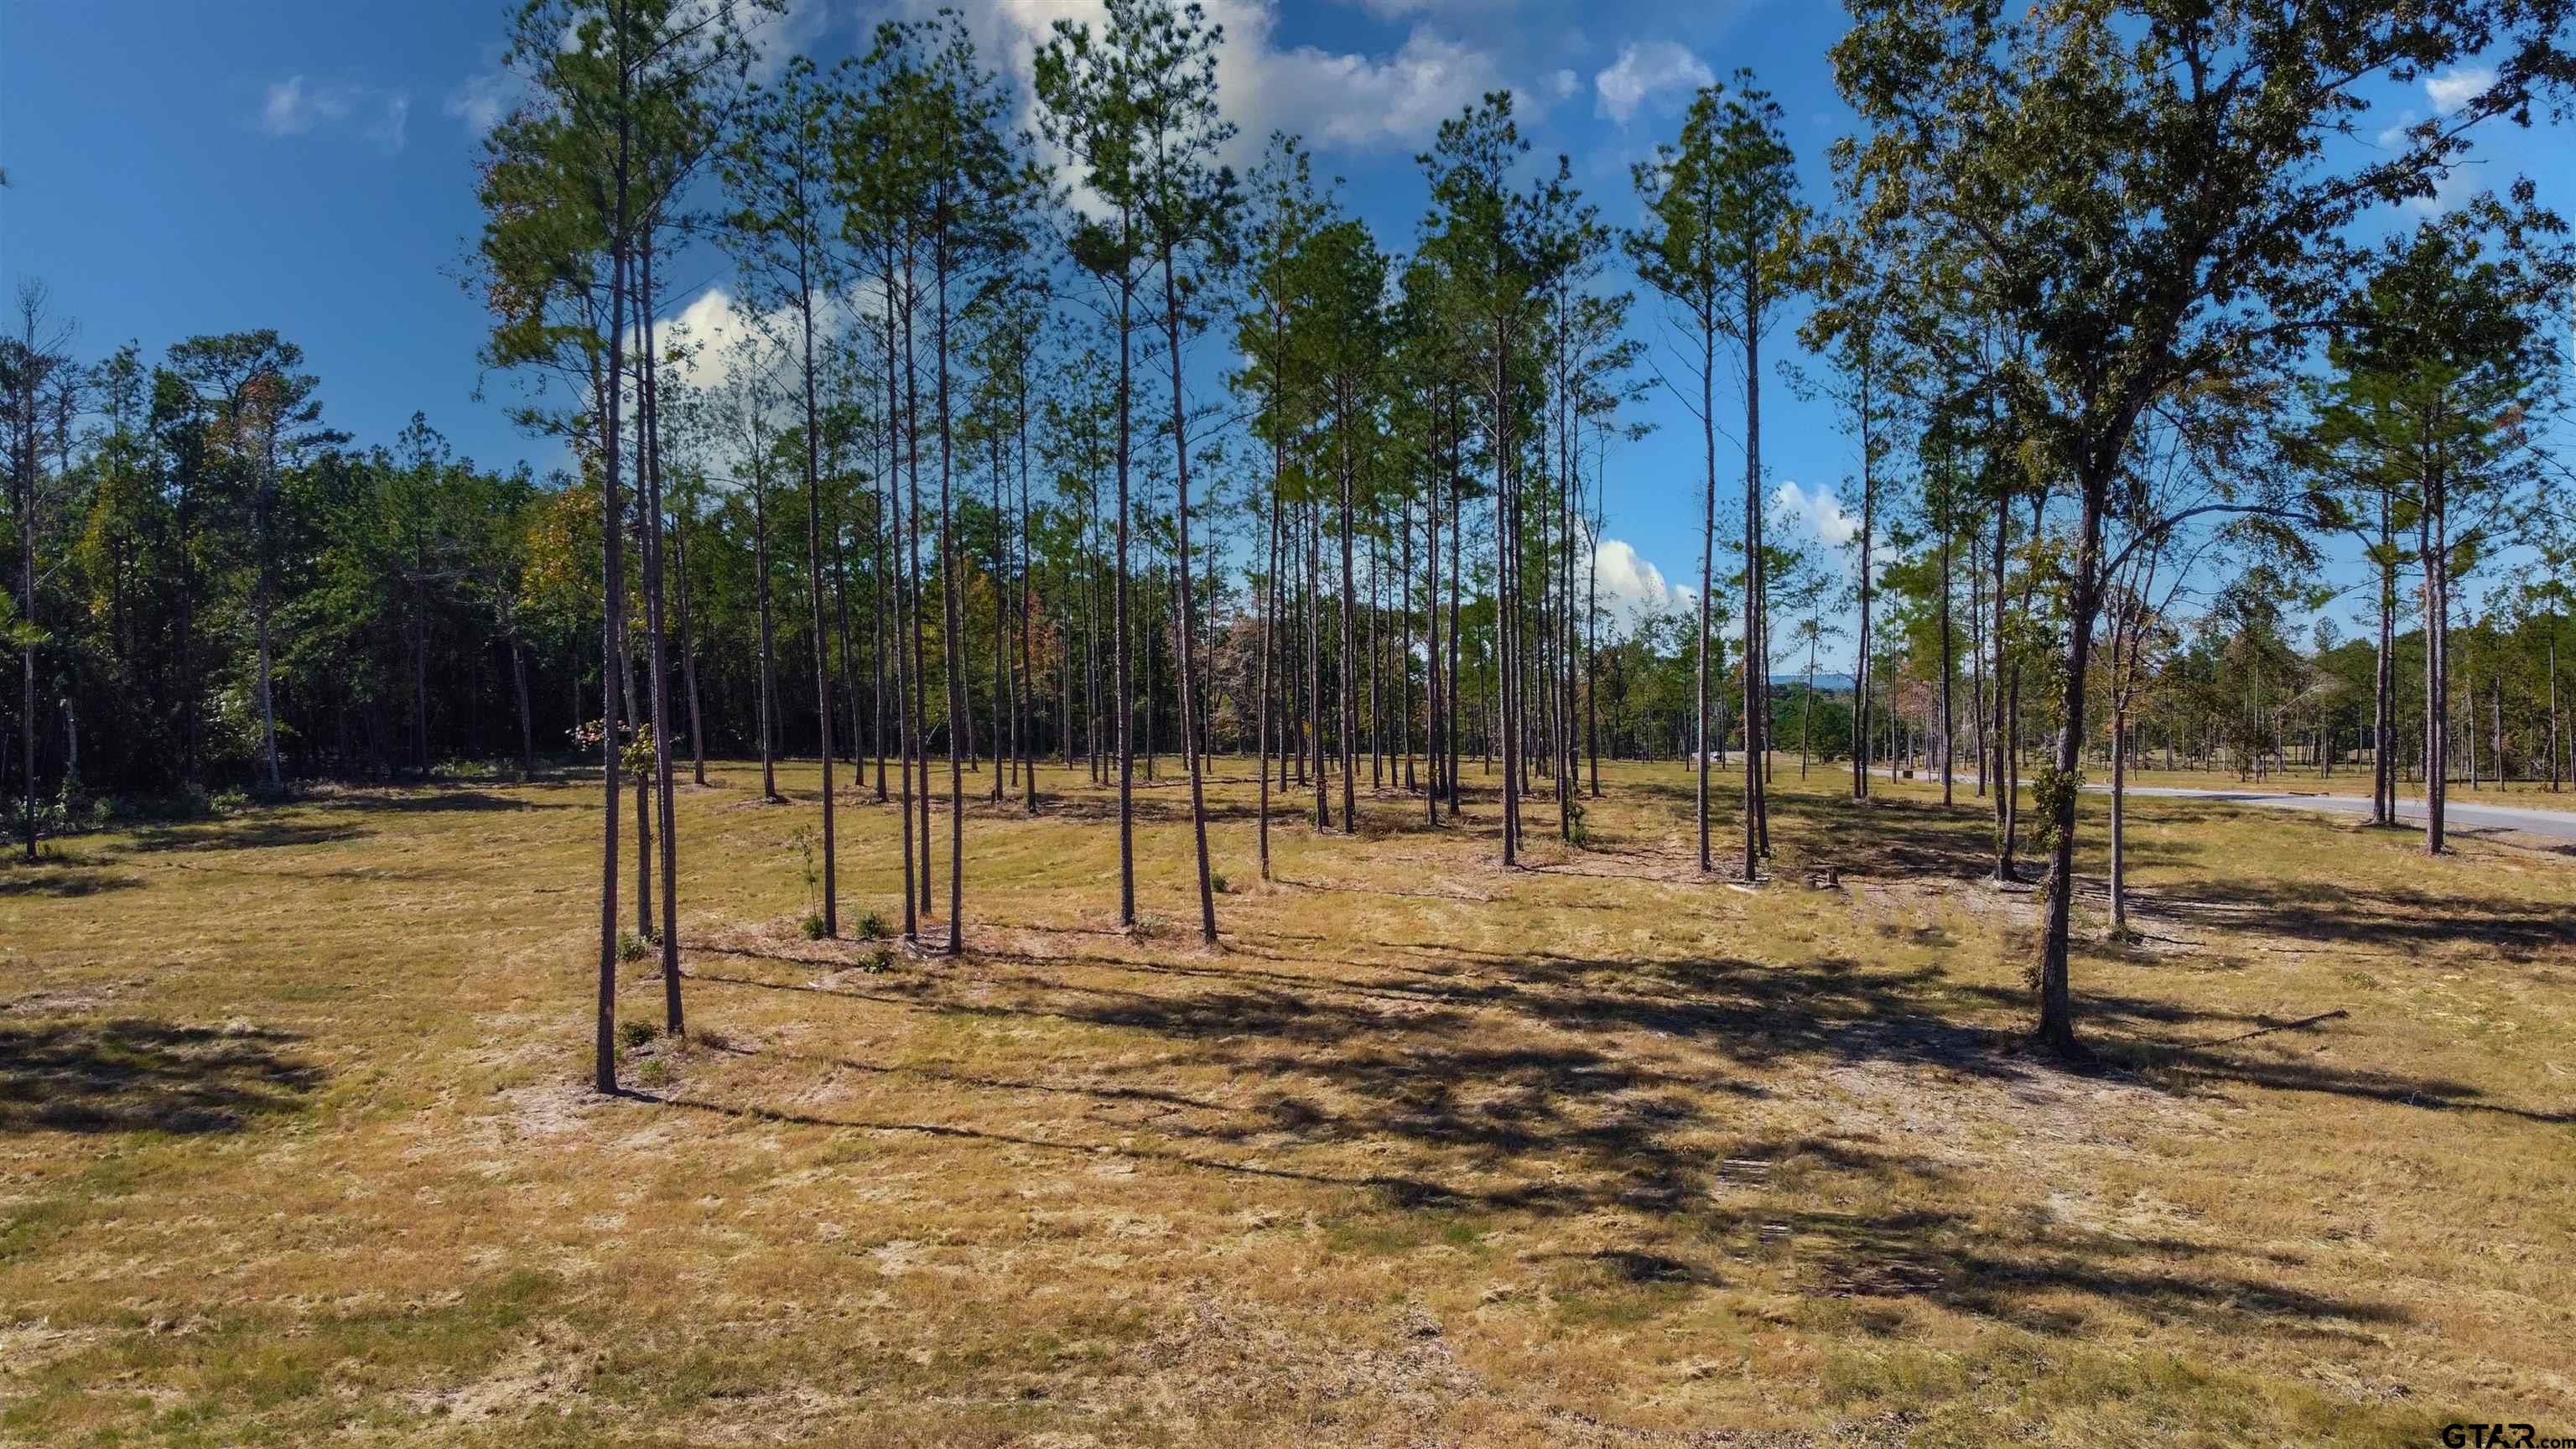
(2558, 823)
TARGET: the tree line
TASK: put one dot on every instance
(1075, 443)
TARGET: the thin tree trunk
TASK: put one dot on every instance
(1433, 760)
(953, 648)
(2437, 650)
(767, 713)
(1347, 724)
(918, 764)
(814, 591)
(1003, 687)
(1949, 663)
(1126, 700)
(1181, 515)
(612, 589)
(527, 709)
(1457, 570)
(689, 657)
(1269, 650)
(649, 447)
(1756, 666)
(1707, 574)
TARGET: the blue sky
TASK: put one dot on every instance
(308, 165)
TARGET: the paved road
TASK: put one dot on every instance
(2560, 824)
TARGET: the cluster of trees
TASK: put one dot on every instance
(1078, 444)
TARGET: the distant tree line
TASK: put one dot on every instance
(1080, 445)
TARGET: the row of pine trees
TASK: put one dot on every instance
(1040, 432)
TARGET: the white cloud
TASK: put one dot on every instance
(1352, 100)
(1643, 70)
(297, 106)
(387, 129)
(776, 37)
(2395, 136)
(1565, 83)
(486, 98)
(1819, 513)
(1342, 98)
(724, 336)
(2456, 87)
(2452, 185)
(1632, 588)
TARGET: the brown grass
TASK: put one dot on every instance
(295, 1144)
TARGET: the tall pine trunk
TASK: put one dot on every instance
(649, 448)
(1181, 513)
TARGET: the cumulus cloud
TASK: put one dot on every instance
(1633, 589)
(297, 106)
(1643, 71)
(1359, 101)
(2456, 87)
(1818, 513)
(723, 337)
(1351, 100)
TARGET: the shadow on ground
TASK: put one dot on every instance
(133, 1075)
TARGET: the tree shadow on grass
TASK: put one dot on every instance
(256, 833)
(436, 802)
(1565, 1086)
(2038, 1274)
(61, 881)
(133, 1075)
(2172, 1049)
(2384, 916)
(2023, 1273)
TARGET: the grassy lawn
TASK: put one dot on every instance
(295, 1143)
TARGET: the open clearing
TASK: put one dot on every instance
(295, 1146)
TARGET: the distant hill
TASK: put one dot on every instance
(1841, 683)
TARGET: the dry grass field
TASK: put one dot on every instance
(296, 1146)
